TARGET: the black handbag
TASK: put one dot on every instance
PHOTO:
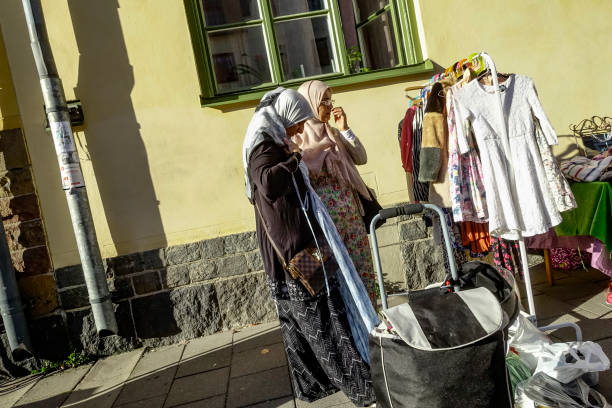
(371, 207)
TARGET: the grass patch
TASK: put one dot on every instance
(74, 359)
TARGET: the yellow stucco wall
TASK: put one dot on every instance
(9, 112)
(160, 170)
(564, 45)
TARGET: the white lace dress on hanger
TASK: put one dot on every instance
(530, 207)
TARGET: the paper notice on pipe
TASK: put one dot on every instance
(72, 176)
(62, 137)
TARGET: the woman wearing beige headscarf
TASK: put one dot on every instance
(331, 155)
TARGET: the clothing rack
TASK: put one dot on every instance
(506, 146)
(596, 127)
(482, 61)
(474, 62)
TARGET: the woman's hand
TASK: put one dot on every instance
(292, 146)
(340, 118)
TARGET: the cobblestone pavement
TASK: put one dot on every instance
(248, 367)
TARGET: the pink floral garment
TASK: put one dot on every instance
(559, 187)
(465, 173)
(569, 258)
(342, 207)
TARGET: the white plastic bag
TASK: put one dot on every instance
(521, 400)
(527, 340)
(567, 361)
(549, 392)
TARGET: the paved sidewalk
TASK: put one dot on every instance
(248, 368)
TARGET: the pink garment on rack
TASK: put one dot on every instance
(466, 186)
(406, 140)
(601, 258)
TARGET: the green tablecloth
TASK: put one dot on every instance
(593, 216)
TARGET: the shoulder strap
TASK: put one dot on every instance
(278, 252)
(314, 236)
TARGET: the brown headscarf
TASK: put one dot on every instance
(335, 158)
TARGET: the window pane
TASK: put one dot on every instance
(366, 7)
(287, 7)
(349, 29)
(378, 43)
(239, 58)
(305, 47)
(217, 12)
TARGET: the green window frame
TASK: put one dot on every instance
(408, 50)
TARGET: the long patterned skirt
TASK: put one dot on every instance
(342, 207)
(320, 349)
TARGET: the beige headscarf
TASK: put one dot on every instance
(335, 158)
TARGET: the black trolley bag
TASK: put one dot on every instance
(442, 348)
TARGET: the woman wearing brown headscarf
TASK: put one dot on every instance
(331, 155)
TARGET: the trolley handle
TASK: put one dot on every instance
(407, 209)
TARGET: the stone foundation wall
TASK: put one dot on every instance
(161, 297)
(168, 295)
(410, 256)
(173, 294)
(25, 232)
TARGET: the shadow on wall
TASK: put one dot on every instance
(570, 148)
(112, 132)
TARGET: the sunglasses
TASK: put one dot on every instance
(328, 102)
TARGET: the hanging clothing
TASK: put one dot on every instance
(466, 187)
(405, 131)
(421, 190)
(506, 254)
(517, 201)
(433, 143)
(475, 237)
(434, 147)
(455, 239)
(559, 187)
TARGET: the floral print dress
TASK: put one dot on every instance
(342, 207)
(559, 187)
(464, 171)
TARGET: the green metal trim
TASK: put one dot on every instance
(413, 33)
(397, 33)
(265, 85)
(404, 31)
(409, 44)
(298, 16)
(373, 16)
(270, 39)
(200, 50)
(214, 29)
(336, 21)
(331, 80)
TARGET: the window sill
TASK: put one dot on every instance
(335, 81)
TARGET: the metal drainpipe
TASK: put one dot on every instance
(70, 170)
(10, 304)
